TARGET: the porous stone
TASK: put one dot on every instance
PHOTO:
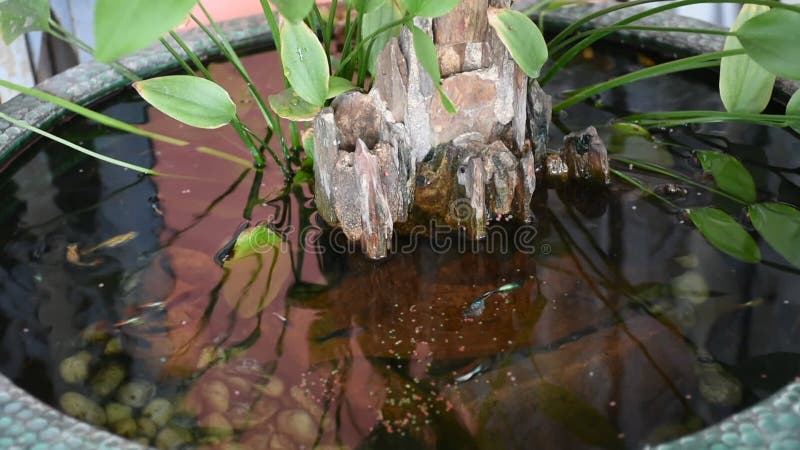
(357, 116)
(396, 155)
(586, 156)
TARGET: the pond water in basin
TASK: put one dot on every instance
(608, 323)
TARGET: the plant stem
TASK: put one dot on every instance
(92, 115)
(368, 40)
(236, 123)
(224, 45)
(101, 157)
(192, 56)
(579, 36)
(574, 51)
(352, 30)
(186, 68)
(690, 63)
(639, 185)
(668, 118)
(276, 38)
(666, 172)
(60, 32)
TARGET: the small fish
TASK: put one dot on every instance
(476, 307)
(756, 302)
(74, 257)
(115, 241)
(340, 333)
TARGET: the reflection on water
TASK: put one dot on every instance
(608, 323)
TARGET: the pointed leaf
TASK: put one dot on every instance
(124, 27)
(290, 106)
(293, 10)
(304, 62)
(521, 37)
(426, 53)
(729, 174)
(446, 102)
(339, 85)
(18, 17)
(192, 100)
(793, 108)
(256, 240)
(429, 8)
(771, 40)
(725, 234)
(387, 13)
(744, 86)
(779, 224)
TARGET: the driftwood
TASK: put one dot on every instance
(396, 156)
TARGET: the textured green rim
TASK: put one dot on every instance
(27, 423)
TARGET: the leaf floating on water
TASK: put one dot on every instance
(725, 234)
(729, 174)
(257, 240)
(577, 416)
(779, 224)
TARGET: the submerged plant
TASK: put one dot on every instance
(758, 48)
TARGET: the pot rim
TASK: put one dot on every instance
(88, 83)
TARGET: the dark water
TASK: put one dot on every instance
(622, 325)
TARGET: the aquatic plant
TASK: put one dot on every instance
(759, 48)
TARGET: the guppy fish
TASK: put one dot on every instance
(476, 307)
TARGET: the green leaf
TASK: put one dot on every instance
(339, 85)
(256, 240)
(18, 17)
(302, 176)
(771, 40)
(627, 129)
(725, 234)
(304, 62)
(744, 86)
(577, 416)
(366, 6)
(382, 16)
(729, 174)
(793, 109)
(124, 27)
(521, 37)
(426, 53)
(289, 105)
(192, 100)
(446, 102)
(293, 10)
(429, 8)
(779, 224)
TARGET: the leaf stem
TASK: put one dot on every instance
(575, 50)
(86, 151)
(678, 65)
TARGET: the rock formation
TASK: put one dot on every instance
(396, 156)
